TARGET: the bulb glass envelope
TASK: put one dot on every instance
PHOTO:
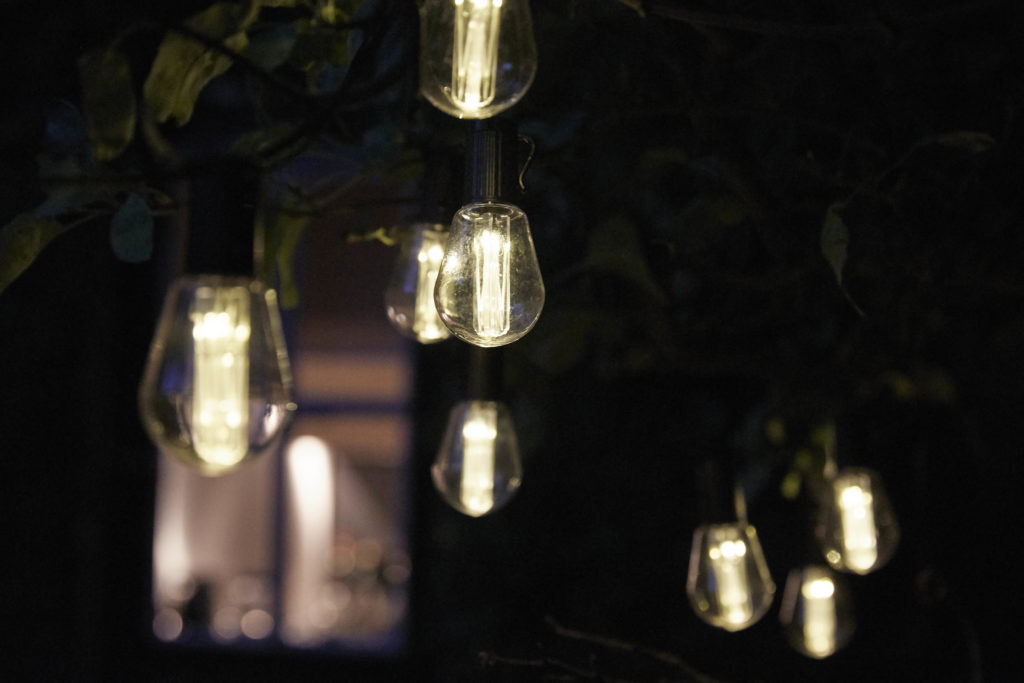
(728, 583)
(490, 291)
(409, 297)
(858, 530)
(477, 57)
(478, 469)
(817, 612)
(217, 388)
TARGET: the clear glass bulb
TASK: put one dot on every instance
(409, 297)
(217, 386)
(817, 613)
(490, 291)
(728, 584)
(477, 57)
(478, 469)
(858, 529)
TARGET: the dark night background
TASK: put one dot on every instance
(685, 164)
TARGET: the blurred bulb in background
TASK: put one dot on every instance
(409, 297)
(728, 584)
(216, 390)
(477, 57)
(478, 469)
(858, 529)
(817, 613)
(490, 291)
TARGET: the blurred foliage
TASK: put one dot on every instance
(702, 171)
(751, 218)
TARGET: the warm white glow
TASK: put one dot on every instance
(819, 616)
(478, 435)
(426, 323)
(731, 581)
(220, 403)
(475, 57)
(860, 536)
(310, 536)
(492, 305)
(168, 624)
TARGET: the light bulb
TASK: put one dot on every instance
(478, 468)
(728, 584)
(816, 612)
(477, 57)
(409, 297)
(217, 386)
(489, 291)
(858, 529)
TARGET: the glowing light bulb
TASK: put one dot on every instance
(858, 530)
(217, 386)
(478, 469)
(728, 584)
(409, 297)
(816, 613)
(490, 291)
(477, 57)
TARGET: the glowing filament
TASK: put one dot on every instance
(857, 517)
(426, 324)
(478, 435)
(475, 53)
(731, 580)
(819, 629)
(492, 301)
(220, 403)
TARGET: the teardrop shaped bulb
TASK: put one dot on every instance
(728, 584)
(217, 387)
(858, 530)
(489, 291)
(409, 297)
(478, 469)
(477, 57)
(817, 613)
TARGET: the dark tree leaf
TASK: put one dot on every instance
(835, 238)
(131, 230)
(21, 241)
(184, 66)
(967, 140)
(108, 100)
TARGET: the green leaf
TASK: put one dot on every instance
(835, 238)
(271, 48)
(108, 101)
(184, 66)
(967, 140)
(281, 232)
(131, 230)
(21, 241)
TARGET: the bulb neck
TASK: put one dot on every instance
(717, 491)
(486, 374)
(438, 189)
(492, 165)
(221, 217)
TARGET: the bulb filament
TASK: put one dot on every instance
(731, 580)
(426, 324)
(819, 616)
(479, 434)
(220, 405)
(492, 298)
(475, 57)
(860, 537)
